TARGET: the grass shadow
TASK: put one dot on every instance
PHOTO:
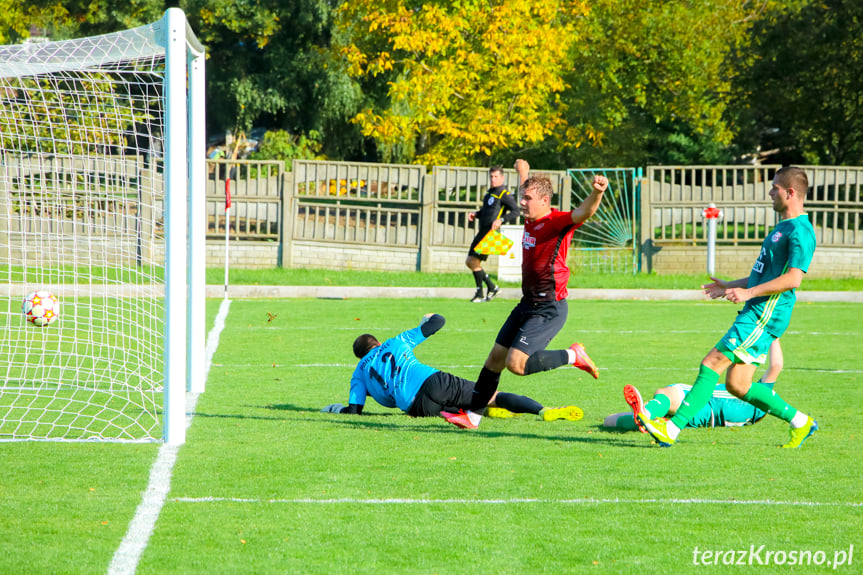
(362, 423)
(302, 409)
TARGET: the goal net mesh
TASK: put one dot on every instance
(81, 216)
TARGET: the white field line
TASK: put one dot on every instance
(477, 366)
(137, 536)
(577, 501)
(589, 331)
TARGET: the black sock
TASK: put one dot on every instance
(486, 385)
(478, 278)
(489, 283)
(545, 360)
(517, 403)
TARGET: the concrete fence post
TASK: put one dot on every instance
(427, 202)
(645, 227)
(286, 249)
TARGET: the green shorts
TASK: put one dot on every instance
(746, 341)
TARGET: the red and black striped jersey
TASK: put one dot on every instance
(545, 245)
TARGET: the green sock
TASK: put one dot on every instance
(766, 400)
(658, 406)
(698, 396)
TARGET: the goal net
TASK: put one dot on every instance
(95, 173)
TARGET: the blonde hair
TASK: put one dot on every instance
(539, 184)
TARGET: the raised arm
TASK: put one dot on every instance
(591, 203)
(523, 170)
(431, 324)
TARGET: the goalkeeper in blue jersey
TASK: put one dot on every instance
(391, 374)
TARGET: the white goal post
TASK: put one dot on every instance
(102, 203)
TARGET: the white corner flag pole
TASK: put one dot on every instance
(227, 224)
(712, 214)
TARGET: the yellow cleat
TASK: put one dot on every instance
(658, 429)
(499, 413)
(801, 434)
(569, 413)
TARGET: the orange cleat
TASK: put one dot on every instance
(633, 398)
(459, 419)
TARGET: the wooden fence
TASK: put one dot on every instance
(401, 206)
(674, 197)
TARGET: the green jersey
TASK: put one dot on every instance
(790, 244)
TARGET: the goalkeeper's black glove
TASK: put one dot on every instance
(333, 408)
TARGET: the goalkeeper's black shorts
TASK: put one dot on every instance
(441, 391)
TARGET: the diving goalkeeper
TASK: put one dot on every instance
(391, 374)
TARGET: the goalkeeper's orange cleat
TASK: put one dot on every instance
(583, 361)
(459, 419)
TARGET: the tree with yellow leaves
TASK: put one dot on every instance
(463, 78)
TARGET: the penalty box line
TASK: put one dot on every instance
(478, 366)
(128, 554)
(576, 501)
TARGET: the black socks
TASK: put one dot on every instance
(546, 360)
(517, 403)
(484, 389)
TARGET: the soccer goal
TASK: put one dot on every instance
(102, 174)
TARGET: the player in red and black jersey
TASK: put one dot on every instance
(541, 313)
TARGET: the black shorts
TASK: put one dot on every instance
(441, 392)
(532, 325)
(476, 240)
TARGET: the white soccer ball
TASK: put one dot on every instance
(40, 308)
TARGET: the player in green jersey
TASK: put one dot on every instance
(722, 410)
(768, 295)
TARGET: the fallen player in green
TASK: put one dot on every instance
(722, 410)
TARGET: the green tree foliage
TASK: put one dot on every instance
(79, 113)
(281, 145)
(651, 82)
(14, 23)
(560, 82)
(50, 121)
(803, 93)
(267, 64)
(620, 81)
(64, 19)
(52, 17)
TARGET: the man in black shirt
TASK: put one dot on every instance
(498, 206)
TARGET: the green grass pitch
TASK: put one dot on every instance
(267, 484)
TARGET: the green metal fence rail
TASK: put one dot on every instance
(607, 242)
